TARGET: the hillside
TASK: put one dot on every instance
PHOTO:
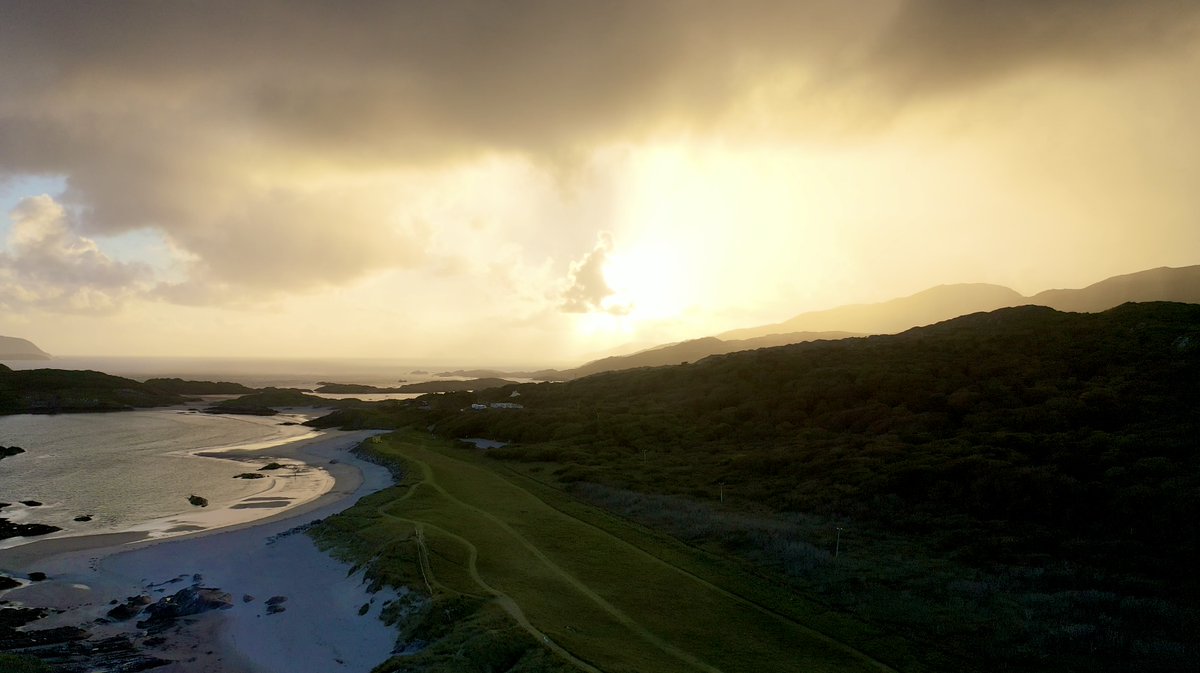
(1002, 475)
(13, 348)
(186, 387)
(684, 351)
(50, 391)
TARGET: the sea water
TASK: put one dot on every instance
(127, 468)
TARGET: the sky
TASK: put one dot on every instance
(542, 182)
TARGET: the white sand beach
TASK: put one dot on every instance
(318, 629)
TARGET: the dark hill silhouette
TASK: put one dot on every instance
(13, 348)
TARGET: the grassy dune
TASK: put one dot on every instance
(599, 593)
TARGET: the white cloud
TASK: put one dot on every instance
(49, 266)
(589, 291)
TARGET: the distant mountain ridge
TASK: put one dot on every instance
(680, 353)
(1181, 284)
(927, 307)
(14, 348)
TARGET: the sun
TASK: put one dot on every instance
(648, 279)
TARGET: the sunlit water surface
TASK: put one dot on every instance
(126, 468)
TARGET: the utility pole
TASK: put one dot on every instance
(837, 545)
(722, 491)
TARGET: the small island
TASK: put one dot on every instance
(454, 386)
(352, 389)
(184, 387)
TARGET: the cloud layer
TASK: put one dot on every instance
(267, 139)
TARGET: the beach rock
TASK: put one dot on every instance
(116, 654)
(276, 600)
(130, 608)
(6, 451)
(12, 618)
(83, 517)
(275, 609)
(271, 466)
(198, 501)
(8, 583)
(247, 598)
(22, 640)
(31, 503)
(122, 613)
(37, 577)
(249, 475)
(9, 529)
(190, 601)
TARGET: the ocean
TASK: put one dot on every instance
(128, 470)
(125, 469)
(254, 372)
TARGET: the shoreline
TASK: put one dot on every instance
(281, 491)
(318, 628)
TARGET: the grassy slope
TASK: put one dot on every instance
(603, 593)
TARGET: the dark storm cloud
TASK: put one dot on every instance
(934, 45)
(206, 120)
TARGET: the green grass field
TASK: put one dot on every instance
(602, 594)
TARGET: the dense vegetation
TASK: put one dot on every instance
(452, 386)
(186, 387)
(582, 589)
(1022, 483)
(268, 402)
(49, 391)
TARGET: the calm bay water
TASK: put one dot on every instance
(127, 468)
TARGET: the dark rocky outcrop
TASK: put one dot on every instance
(198, 501)
(9, 529)
(31, 503)
(6, 451)
(83, 518)
(189, 601)
(130, 608)
(249, 475)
